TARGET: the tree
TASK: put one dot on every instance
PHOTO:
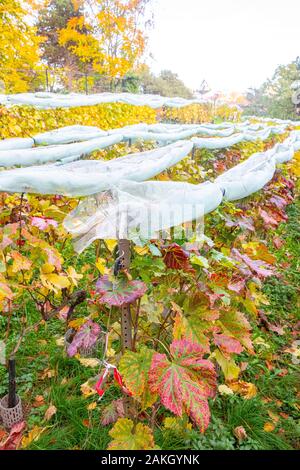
(166, 84)
(108, 36)
(274, 97)
(19, 46)
(54, 17)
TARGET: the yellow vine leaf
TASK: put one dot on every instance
(246, 389)
(89, 361)
(55, 282)
(110, 244)
(33, 435)
(101, 266)
(20, 262)
(73, 275)
(229, 368)
(126, 436)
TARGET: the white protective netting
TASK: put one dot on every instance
(45, 100)
(121, 202)
(74, 142)
(124, 210)
(86, 177)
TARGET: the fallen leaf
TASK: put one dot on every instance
(269, 427)
(246, 389)
(224, 390)
(86, 423)
(240, 433)
(60, 341)
(87, 390)
(2, 434)
(50, 412)
(92, 406)
(89, 361)
(283, 372)
(47, 374)
(278, 242)
(128, 436)
(269, 365)
(32, 436)
(38, 401)
(13, 440)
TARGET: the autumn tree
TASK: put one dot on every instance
(19, 46)
(54, 17)
(109, 36)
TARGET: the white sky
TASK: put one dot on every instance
(233, 44)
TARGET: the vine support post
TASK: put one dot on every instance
(126, 321)
(12, 399)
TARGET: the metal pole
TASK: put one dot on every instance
(12, 400)
(126, 323)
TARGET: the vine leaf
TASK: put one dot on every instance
(193, 328)
(86, 337)
(175, 257)
(259, 267)
(112, 412)
(43, 223)
(228, 344)
(119, 292)
(184, 382)
(229, 368)
(235, 324)
(134, 368)
(126, 436)
(20, 262)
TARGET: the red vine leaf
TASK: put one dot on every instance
(14, 438)
(86, 337)
(112, 412)
(175, 257)
(259, 267)
(119, 292)
(184, 382)
(228, 344)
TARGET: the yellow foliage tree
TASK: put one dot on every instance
(111, 39)
(19, 45)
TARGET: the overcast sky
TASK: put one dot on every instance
(233, 44)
